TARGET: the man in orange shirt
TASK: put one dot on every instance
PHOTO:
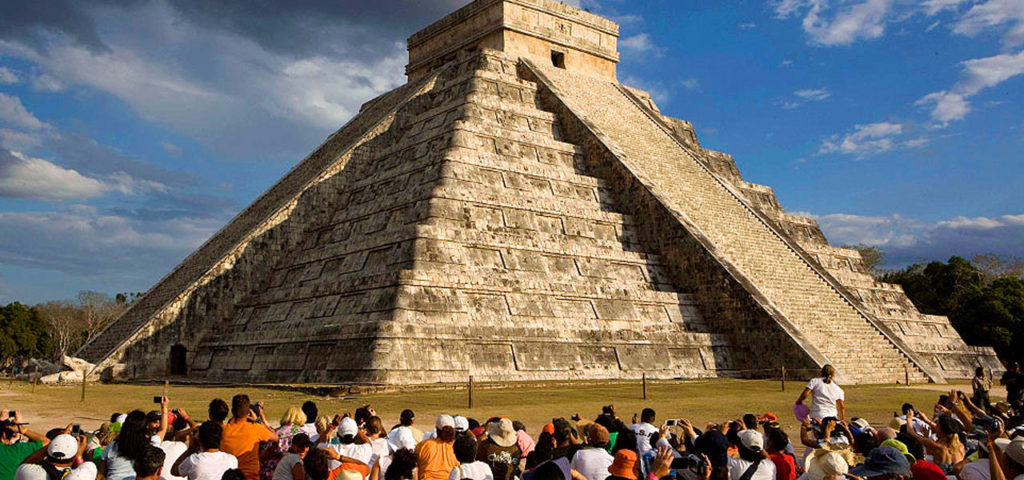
(436, 456)
(243, 434)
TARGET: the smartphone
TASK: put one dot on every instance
(12, 414)
(672, 422)
(76, 429)
(156, 399)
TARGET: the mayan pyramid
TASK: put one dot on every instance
(516, 214)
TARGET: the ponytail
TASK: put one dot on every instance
(828, 373)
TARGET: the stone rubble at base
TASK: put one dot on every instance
(500, 217)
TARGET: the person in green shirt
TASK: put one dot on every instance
(17, 442)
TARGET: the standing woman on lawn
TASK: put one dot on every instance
(827, 398)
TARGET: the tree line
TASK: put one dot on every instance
(56, 328)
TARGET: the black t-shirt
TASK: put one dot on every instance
(1014, 382)
(504, 461)
(567, 451)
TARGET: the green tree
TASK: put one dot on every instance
(23, 333)
(871, 256)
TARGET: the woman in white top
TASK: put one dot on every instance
(827, 398)
(753, 462)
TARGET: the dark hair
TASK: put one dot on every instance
(626, 440)
(403, 461)
(240, 405)
(948, 426)
(943, 399)
(315, 464)
(134, 436)
(473, 423)
(309, 408)
(864, 442)
(544, 450)
(210, 434)
(647, 415)
(154, 416)
(446, 434)
(915, 447)
(113, 417)
(517, 425)
(751, 455)
(232, 474)
(750, 421)
(149, 461)
(362, 414)
(979, 371)
(604, 421)
(776, 439)
(407, 417)
(549, 471)
(218, 410)
(53, 432)
(465, 449)
(301, 441)
(563, 431)
(906, 408)
(7, 429)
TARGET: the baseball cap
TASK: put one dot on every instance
(883, 461)
(444, 420)
(860, 423)
(713, 444)
(348, 427)
(751, 439)
(902, 447)
(461, 423)
(400, 438)
(62, 448)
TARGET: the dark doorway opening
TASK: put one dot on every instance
(558, 59)
(179, 363)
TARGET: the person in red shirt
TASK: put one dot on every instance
(243, 434)
(785, 464)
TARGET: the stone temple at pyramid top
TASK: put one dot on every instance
(544, 31)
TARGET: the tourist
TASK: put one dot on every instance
(752, 462)
(920, 468)
(378, 440)
(566, 442)
(826, 396)
(171, 446)
(435, 457)
(309, 425)
(17, 442)
(977, 469)
(292, 423)
(624, 466)
(785, 464)
(828, 464)
(398, 439)
(316, 462)
(644, 430)
(403, 465)
(884, 463)
(542, 451)
(470, 467)
(946, 449)
(525, 441)
(1013, 380)
(443, 420)
(363, 414)
(204, 460)
(243, 434)
(593, 462)
(58, 460)
(119, 455)
(981, 384)
(149, 464)
(500, 450)
(290, 465)
(1012, 468)
(218, 410)
(347, 445)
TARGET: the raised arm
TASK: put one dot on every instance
(841, 408)
(927, 442)
(805, 435)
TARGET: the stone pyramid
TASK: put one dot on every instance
(516, 214)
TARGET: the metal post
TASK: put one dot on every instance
(644, 377)
(783, 378)
(470, 391)
(85, 372)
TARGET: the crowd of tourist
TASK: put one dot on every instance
(962, 438)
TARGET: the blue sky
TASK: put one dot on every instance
(130, 131)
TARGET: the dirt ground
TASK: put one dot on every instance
(699, 401)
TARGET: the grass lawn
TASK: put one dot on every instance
(699, 401)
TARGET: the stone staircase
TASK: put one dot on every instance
(804, 295)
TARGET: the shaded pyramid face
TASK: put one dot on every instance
(514, 221)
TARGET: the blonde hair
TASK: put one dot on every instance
(323, 422)
(293, 416)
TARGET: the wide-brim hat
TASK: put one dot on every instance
(502, 432)
(622, 466)
(824, 462)
(883, 461)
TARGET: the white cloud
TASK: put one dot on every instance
(863, 20)
(976, 75)
(171, 148)
(13, 113)
(994, 13)
(907, 240)
(786, 63)
(22, 176)
(8, 77)
(691, 83)
(639, 43)
(748, 26)
(933, 7)
(47, 83)
(865, 140)
(16, 140)
(816, 94)
(655, 88)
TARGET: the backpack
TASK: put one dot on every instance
(53, 473)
